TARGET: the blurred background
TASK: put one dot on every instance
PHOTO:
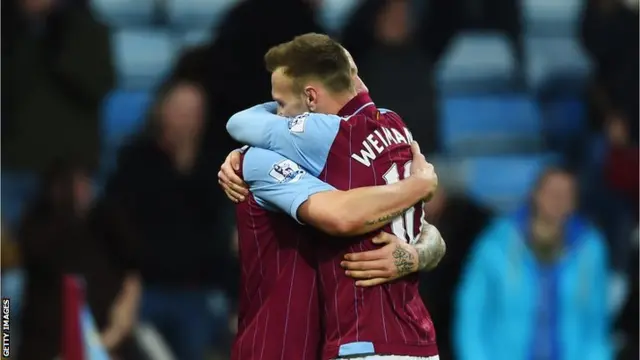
(113, 115)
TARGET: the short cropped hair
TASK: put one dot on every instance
(312, 56)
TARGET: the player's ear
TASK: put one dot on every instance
(311, 98)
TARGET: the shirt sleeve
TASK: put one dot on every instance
(277, 183)
(306, 139)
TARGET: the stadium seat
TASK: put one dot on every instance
(558, 65)
(124, 13)
(477, 62)
(334, 13)
(123, 114)
(198, 14)
(564, 116)
(565, 124)
(503, 183)
(551, 17)
(143, 57)
(18, 189)
(489, 124)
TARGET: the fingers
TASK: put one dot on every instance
(229, 176)
(364, 265)
(234, 158)
(367, 275)
(366, 255)
(236, 198)
(415, 148)
(372, 282)
(230, 192)
(233, 186)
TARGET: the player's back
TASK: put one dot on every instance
(371, 148)
(278, 315)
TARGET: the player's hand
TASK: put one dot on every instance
(393, 260)
(234, 187)
(425, 170)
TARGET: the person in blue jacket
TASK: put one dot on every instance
(534, 287)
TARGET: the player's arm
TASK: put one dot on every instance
(305, 139)
(430, 247)
(253, 126)
(395, 258)
(362, 210)
(278, 183)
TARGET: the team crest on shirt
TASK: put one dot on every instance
(297, 123)
(286, 171)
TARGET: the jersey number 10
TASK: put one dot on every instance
(402, 226)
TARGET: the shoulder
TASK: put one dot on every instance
(387, 111)
(261, 164)
(592, 240)
(314, 124)
(315, 117)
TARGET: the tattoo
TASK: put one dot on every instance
(386, 218)
(403, 261)
(430, 247)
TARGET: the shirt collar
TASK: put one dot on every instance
(360, 104)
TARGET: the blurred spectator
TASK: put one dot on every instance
(66, 232)
(381, 37)
(447, 212)
(446, 18)
(233, 76)
(56, 69)
(171, 189)
(536, 283)
(610, 162)
(610, 36)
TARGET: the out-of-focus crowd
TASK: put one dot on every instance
(529, 108)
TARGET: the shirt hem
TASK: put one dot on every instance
(425, 350)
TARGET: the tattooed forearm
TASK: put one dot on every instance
(430, 247)
(403, 261)
(384, 219)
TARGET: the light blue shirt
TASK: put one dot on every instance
(306, 139)
(277, 183)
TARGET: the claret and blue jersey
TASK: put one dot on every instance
(361, 146)
(278, 314)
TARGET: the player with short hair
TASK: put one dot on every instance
(360, 145)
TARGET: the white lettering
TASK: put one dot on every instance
(399, 136)
(371, 146)
(375, 143)
(6, 329)
(389, 136)
(381, 138)
(365, 156)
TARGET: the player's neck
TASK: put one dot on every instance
(342, 99)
